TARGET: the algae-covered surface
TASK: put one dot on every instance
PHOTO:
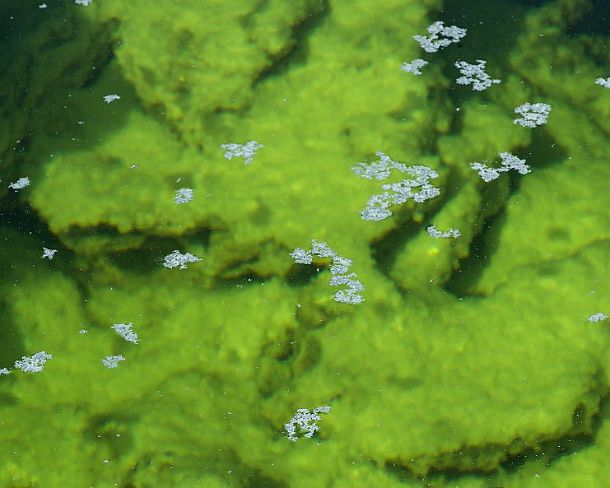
(472, 361)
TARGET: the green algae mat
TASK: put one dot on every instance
(305, 243)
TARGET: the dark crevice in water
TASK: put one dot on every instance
(17, 18)
(544, 150)
(258, 480)
(286, 359)
(240, 281)
(541, 153)
(594, 21)
(386, 248)
(22, 219)
(530, 3)
(21, 228)
(25, 233)
(402, 472)
(515, 179)
(241, 273)
(492, 31)
(585, 428)
(113, 431)
(297, 51)
(102, 57)
(463, 279)
(300, 275)
(22, 235)
(274, 365)
(147, 258)
(222, 463)
(492, 28)
(489, 461)
(11, 342)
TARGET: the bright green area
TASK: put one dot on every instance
(471, 362)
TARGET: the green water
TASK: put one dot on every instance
(463, 361)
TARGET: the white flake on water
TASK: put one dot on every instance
(416, 186)
(48, 253)
(603, 82)
(126, 332)
(183, 195)
(20, 184)
(246, 151)
(111, 98)
(475, 75)
(598, 317)
(304, 422)
(440, 36)
(339, 270)
(437, 234)
(414, 67)
(532, 114)
(508, 162)
(112, 361)
(34, 363)
(178, 260)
